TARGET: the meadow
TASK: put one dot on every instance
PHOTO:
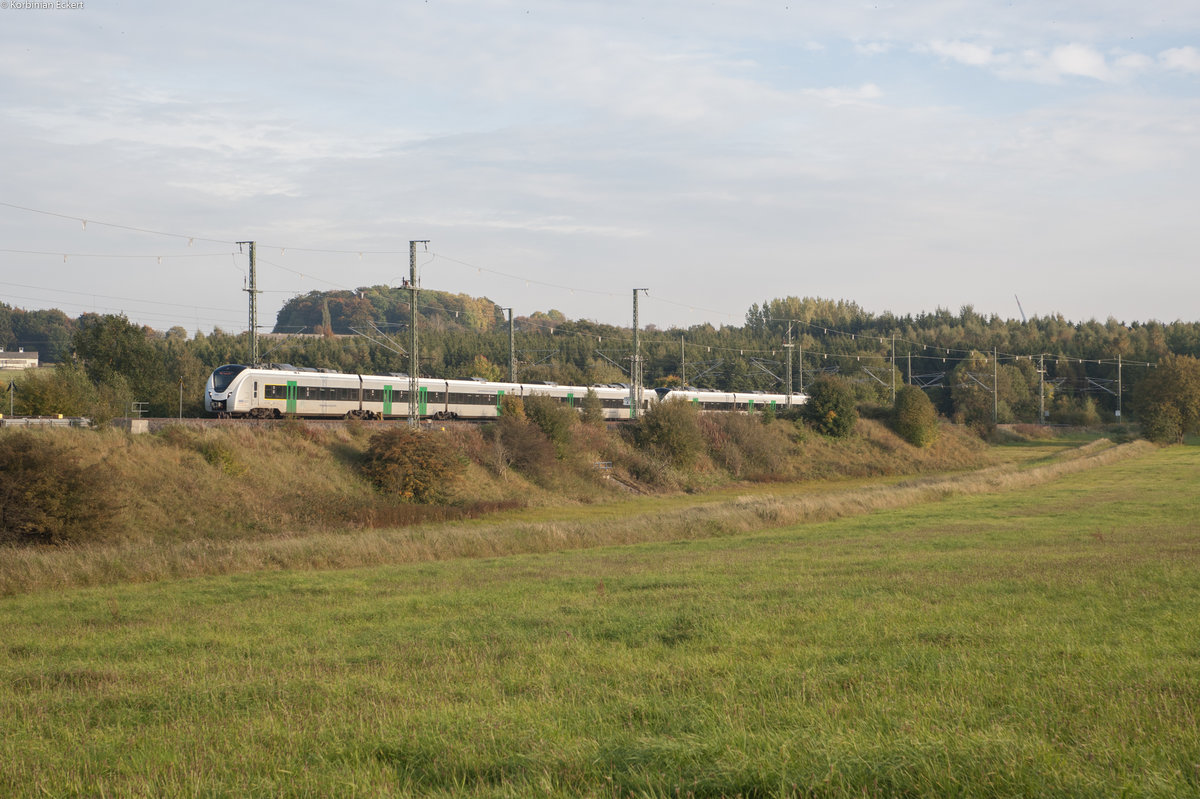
(1020, 637)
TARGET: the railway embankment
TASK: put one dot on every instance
(187, 500)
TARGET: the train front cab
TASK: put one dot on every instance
(217, 394)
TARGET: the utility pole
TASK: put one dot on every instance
(788, 346)
(1118, 386)
(1042, 389)
(893, 368)
(635, 369)
(995, 388)
(414, 411)
(512, 349)
(682, 363)
(800, 361)
(253, 291)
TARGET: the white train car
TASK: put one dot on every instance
(747, 402)
(239, 391)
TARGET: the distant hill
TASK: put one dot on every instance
(386, 307)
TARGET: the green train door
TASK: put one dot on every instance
(290, 396)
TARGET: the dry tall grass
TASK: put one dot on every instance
(33, 569)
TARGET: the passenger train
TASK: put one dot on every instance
(278, 390)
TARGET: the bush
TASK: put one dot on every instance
(1076, 413)
(47, 496)
(830, 408)
(914, 418)
(553, 418)
(519, 443)
(512, 406)
(672, 429)
(415, 465)
(748, 448)
(592, 409)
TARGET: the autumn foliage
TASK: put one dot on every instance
(414, 465)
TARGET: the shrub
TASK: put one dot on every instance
(672, 429)
(914, 418)
(47, 496)
(1163, 424)
(415, 465)
(830, 407)
(553, 418)
(592, 409)
(512, 406)
(1077, 413)
(218, 453)
(745, 447)
(518, 443)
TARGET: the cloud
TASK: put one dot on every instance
(872, 48)
(1080, 60)
(1053, 65)
(1180, 59)
(835, 95)
(969, 53)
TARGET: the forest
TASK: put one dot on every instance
(976, 369)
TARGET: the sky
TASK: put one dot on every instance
(904, 156)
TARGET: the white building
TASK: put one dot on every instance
(18, 361)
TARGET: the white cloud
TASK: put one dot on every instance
(1180, 59)
(847, 96)
(1055, 64)
(872, 48)
(968, 53)
(1081, 60)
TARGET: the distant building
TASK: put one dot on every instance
(17, 361)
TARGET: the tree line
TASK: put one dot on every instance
(976, 369)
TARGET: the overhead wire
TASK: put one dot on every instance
(826, 330)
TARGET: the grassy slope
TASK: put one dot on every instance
(1007, 643)
(225, 519)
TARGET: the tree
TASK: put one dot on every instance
(914, 418)
(830, 407)
(482, 367)
(113, 350)
(64, 389)
(1167, 400)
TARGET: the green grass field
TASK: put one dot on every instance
(1028, 641)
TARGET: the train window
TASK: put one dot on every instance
(274, 391)
(224, 376)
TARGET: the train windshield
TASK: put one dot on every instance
(222, 377)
